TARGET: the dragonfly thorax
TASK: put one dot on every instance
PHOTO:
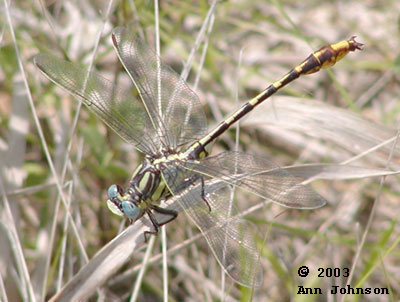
(146, 181)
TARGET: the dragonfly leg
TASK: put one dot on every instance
(156, 224)
(173, 214)
(191, 182)
(203, 194)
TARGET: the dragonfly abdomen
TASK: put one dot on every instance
(325, 57)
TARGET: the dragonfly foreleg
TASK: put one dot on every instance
(173, 214)
(155, 225)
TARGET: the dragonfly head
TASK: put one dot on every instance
(121, 203)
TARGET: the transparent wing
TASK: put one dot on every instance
(174, 109)
(259, 176)
(231, 239)
(115, 106)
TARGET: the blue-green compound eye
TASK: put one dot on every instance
(114, 191)
(131, 210)
(114, 199)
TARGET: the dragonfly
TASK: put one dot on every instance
(160, 116)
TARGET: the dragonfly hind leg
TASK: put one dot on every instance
(203, 194)
(192, 181)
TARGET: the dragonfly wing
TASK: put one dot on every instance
(115, 106)
(259, 176)
(174, 109)
(229, 237)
